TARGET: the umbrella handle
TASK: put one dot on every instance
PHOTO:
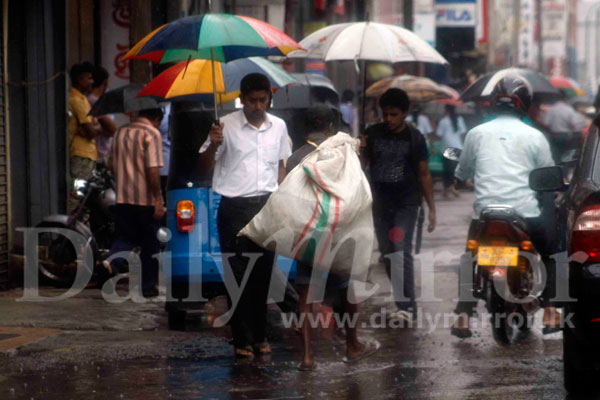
(212, 61)
(364, 99)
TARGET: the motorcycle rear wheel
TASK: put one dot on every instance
(507, 319)
(58, 258)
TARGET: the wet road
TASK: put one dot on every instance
(125, 351)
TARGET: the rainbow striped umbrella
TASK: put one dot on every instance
(193, 80)
(228, 37)
(215, 37)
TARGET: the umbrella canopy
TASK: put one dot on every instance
(368, 41)
(224, 37)
(418, 88)
(569, 86)
(218, 37)
(454, 100)
(193, 80)
(312, 89)
(123, 99)
(481, 89)
(314, 81)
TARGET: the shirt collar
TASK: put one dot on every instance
(143, 121)
(267, 123)
(76, 92)
(316, 137)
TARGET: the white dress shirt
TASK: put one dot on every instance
(499, 155)
(247, 162)
(449, 136)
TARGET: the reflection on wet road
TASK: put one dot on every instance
(423, 362)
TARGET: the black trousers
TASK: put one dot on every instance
(135, 226)
(249, 320)
(543, 243)
(395, 226)
(449, 166)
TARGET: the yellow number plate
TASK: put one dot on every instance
(498, 256)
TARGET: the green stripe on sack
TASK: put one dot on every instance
(311, 247)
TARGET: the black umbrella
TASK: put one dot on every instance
(122, 100)
(312, 89)
(481, 89)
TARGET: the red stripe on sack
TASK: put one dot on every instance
(330, 236)
(318, 176)
(337, 210)
(307, 227)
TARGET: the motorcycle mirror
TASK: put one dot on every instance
(547, 179)
(452, 153)
(80, 186)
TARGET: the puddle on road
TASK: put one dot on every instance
(215, 379)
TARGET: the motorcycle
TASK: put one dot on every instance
(93, 219)
(504, 264)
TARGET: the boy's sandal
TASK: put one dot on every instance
(371, 347)
(302, 367)
(244, 352)
(462, 333)
(548, 329)
(262, 348)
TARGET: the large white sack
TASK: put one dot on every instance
(321, 213)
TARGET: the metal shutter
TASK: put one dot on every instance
(3, 171)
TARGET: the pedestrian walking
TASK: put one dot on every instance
(451, 130)
(349, 111)
(135, 159)
(421, 122)
(565, 127)
(319, 122)
(396, 154)
(247, 151)
(82, 128)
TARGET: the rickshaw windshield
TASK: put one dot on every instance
(190, 123)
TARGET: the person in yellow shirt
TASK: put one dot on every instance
(83, 128)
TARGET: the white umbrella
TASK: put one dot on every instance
(368, 41)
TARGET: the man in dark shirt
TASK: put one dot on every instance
(397, 158)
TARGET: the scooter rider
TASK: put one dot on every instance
(499, 155)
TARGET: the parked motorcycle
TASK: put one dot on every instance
(504, 264)
(93, 219)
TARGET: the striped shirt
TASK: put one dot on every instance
(135, 147)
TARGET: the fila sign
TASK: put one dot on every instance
(455, 15)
